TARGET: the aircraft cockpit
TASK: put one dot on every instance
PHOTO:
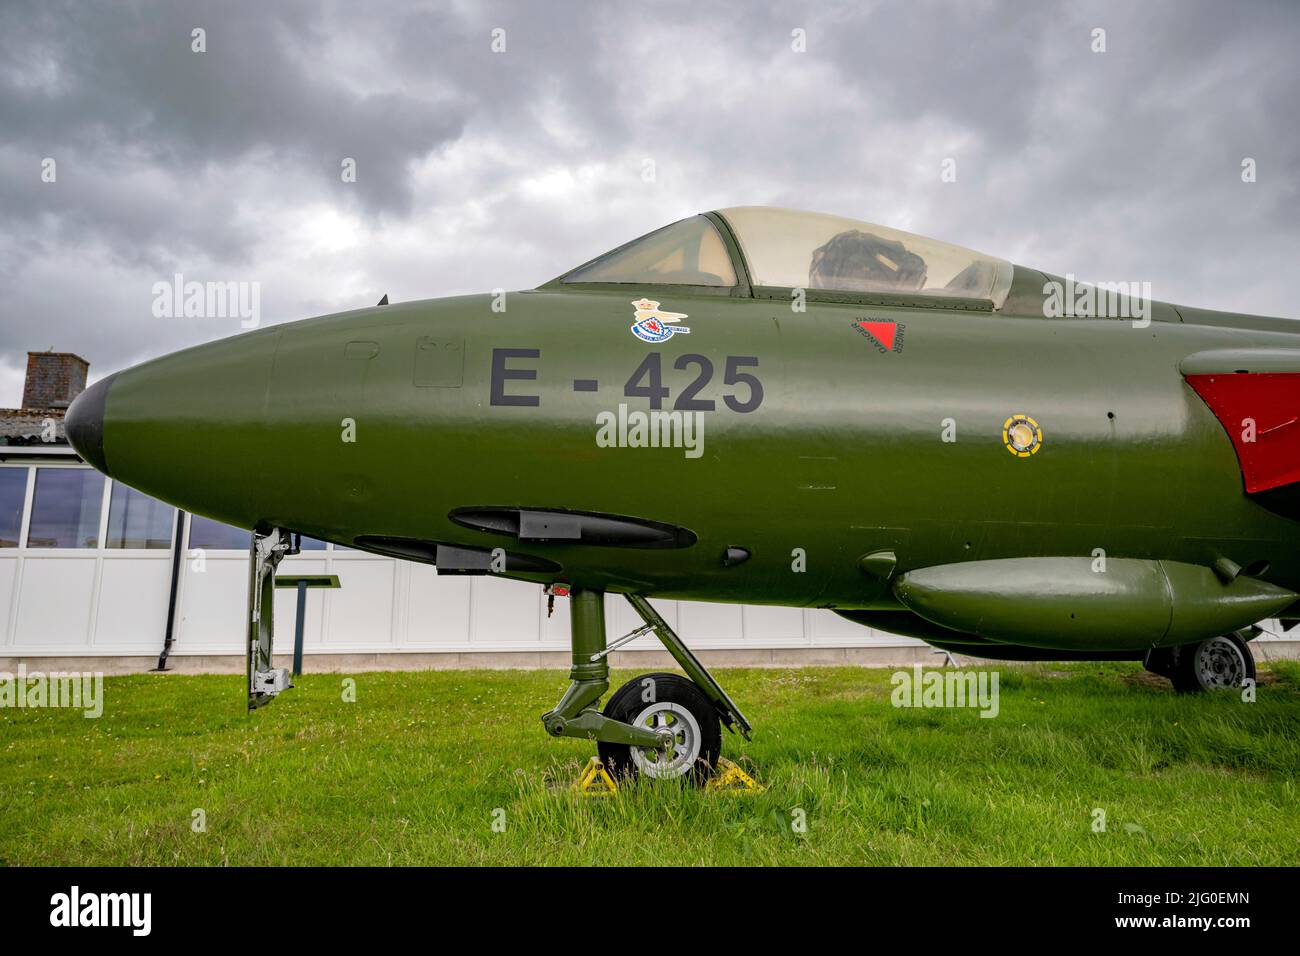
(761, 247)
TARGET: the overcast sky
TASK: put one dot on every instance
(478, 169)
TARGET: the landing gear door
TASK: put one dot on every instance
(265, 554)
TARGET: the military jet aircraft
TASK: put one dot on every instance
(764, 406)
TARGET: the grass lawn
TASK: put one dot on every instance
(419, 767)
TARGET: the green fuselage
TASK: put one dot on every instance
(853, 448)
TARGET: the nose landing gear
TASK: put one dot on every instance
(661, 725)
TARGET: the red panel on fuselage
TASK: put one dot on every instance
(1261, 413)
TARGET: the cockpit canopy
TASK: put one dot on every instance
(787, 249)
(689, 252)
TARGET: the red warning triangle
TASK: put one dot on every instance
(882, 332)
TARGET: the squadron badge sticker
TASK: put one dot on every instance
(1022, 436)
(655, 325)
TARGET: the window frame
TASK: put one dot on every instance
(113, 484)
(25, 547)
(29, 506)
(102, 548)
(24, 509)
(330, 547)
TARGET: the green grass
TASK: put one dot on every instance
(413, 771)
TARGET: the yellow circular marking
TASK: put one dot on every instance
(1022, 436)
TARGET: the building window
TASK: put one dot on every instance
(13, 495)
(136, 520)
(65, 508)
(217, 536)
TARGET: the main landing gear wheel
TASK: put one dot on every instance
(658, 701)
(1220, 663)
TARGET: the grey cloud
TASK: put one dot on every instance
(129, 88)
(1122, 165)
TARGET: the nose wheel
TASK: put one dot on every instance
(678, 711)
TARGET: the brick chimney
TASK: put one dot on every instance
(54, 379)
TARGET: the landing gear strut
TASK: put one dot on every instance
(661, 725)
(267, 551)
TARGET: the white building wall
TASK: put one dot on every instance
(110, 602)
(104, 601)
(397, 606)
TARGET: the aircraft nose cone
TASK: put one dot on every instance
(84, 422)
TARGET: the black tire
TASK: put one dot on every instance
(1221, 663)
(675, 701)
(1161, 661)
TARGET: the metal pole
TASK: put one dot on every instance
(177, 546)
(297, 631)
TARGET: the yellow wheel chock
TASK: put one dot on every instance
(596, 781)
(731, 777)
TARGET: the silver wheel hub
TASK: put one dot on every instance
(678, 758)
(1219, 664)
